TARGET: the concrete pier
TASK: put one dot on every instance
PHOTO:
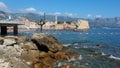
(5, 24)
(3, 30)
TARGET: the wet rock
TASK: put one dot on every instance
(67, 66)
(82, 66)
(39, 65)
(98, 46)
(61, 56)
(45, 61)
(72, 55)
(49, 58)
(48, 61)
(47, 42)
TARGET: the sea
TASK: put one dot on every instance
(98, 47)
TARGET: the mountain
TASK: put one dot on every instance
(36, 17)
(2, 12)
(94, 23)
(105, 22)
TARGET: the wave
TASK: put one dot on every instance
(74, 59)
(113, 57)
(66, 44)
(103, 53)
(80, 57)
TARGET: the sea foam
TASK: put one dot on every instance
(113, 57)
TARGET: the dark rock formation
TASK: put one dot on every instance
(47, 42)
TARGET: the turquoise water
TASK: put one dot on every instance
(99, 47)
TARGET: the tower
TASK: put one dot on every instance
(55, 19)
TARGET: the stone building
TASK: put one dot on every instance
(82, 24)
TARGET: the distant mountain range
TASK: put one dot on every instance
(105, 22)
(36, 17)
(94, 23)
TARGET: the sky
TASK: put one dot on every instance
(73, 8)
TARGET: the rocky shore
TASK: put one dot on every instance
(39, 51)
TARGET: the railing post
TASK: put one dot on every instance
(15, 30)
(3, 30)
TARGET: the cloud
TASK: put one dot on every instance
(3, 7)
(63, 14)
(41, 13)
(28, 9)
(70, 14)
(57, 13)
(98, 16)
(89, 15)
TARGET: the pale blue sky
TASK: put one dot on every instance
(74, 8)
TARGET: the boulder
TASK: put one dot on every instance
(30, 53)
(61, 56)
(47, 42)
(30, 56)
(48, 61)
(1, 40)
(18, 39)
(72, 55)
(17, 51)
(10, 57)
(29, 46)
(22, 39)
(13, 62)
(9, 42)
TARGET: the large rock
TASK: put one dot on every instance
(9, 42)
(18, 39)
(30, 53)
(47, 42)
(17, 52)
(10, 57)
(29, 46)
(13, 62)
